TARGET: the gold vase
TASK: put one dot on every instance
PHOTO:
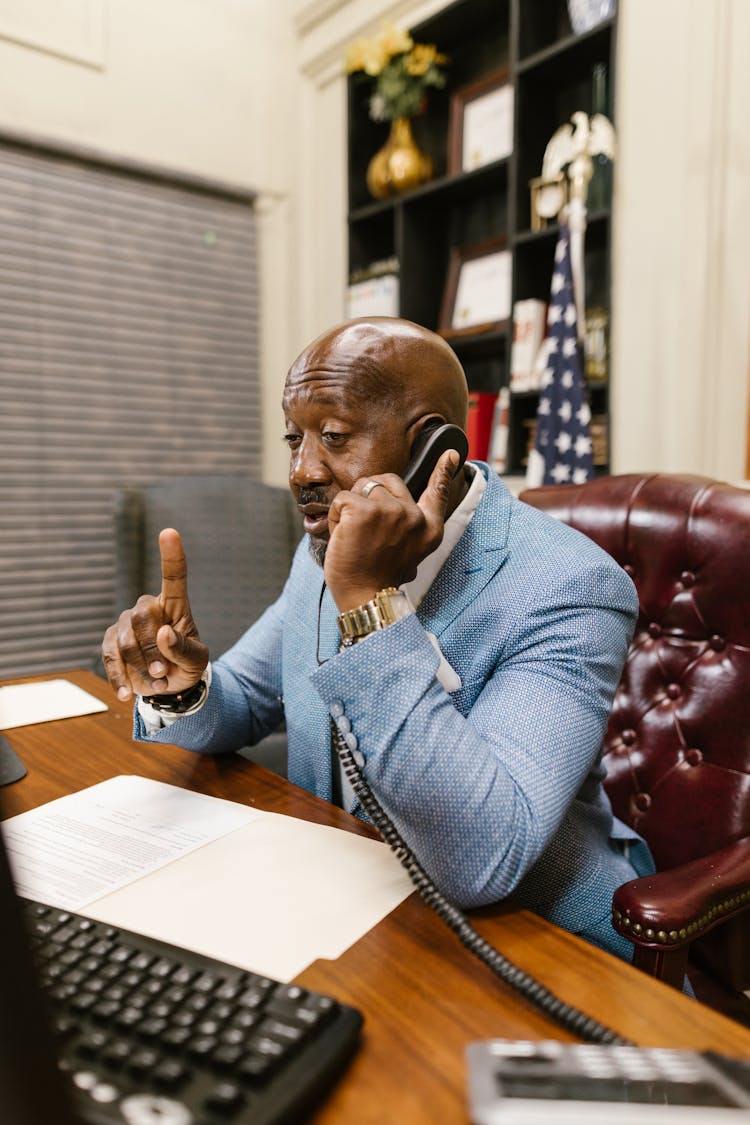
(399, 165)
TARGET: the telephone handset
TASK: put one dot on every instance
(427, 450)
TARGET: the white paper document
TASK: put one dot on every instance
(71, 851)
(23, 704)
(266, 892)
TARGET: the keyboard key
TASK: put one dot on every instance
(143, 1060)
(152, 1028)
(220, 1012)
(141, 960)
(93, 1044)
(269, 1048)
(245, 1019)
(117, 1052)
(226, 1056)
(206, 982)
(286, 1033)
(128, 1017)
(252, 998)
(185, 1018)
(170, 1073)
(197, 1002)
(83, 1002)
(82, 941)
(183, 975)
(175, 1037)
(255, 1068)
(201, 1047)
(162, 968)
(101, 948)
(120, 954)
(105, 1009)
(226, 1096)
(64, 1025)
(309, 1017)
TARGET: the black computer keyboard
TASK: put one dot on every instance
(151, 1033)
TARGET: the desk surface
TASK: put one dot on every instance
(423, 996)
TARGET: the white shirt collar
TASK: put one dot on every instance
(455, 526)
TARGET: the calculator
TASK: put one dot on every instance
(520, 1082)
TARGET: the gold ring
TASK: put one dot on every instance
(370, 485)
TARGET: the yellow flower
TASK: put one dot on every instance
(366, 54)
(374, 57)
(421, 57)
(371, 55)
(355, 56)
(394, 40)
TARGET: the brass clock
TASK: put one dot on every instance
(548, 197)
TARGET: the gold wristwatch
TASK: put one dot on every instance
(387, 607)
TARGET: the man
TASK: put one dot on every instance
(477, 720)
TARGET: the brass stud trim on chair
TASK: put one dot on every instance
(691, 930)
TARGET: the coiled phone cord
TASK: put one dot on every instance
(573, 1019)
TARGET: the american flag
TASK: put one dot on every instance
(562, 452)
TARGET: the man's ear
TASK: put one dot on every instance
(422, 426)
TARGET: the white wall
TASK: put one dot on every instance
(183, 83)
(201, 86)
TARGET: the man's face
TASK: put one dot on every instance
(335, 438)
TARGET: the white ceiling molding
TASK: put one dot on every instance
(73, 31)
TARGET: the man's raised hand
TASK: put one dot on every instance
(154, 648)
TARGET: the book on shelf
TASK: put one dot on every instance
(375, 296)
(596, 347)
(498, 451)
(479, 423)
(529, 330)
(374, 289)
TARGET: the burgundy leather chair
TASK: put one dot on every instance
(678, 743)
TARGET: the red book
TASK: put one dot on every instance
(479, 424)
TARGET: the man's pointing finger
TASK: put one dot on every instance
(173, 569)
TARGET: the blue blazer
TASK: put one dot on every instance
(496, 786)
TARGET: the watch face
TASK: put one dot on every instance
(549, 200)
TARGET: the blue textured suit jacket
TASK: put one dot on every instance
(497, 786)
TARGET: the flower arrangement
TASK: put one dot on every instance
(403, 70)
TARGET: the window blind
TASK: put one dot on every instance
(128, 352)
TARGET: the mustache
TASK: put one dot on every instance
(315, 495)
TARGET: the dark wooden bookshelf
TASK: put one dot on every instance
(551, 70)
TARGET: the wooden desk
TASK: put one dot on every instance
(423, 996)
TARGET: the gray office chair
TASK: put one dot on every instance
(239, 535)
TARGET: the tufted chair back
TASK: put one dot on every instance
(678, 743)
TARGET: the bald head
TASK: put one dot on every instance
(389, 362)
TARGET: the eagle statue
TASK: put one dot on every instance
(573, 146)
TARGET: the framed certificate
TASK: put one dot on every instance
(481, 123)
(477, 295)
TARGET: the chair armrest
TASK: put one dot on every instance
(673, 908)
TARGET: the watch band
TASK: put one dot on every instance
(180, 702)
(387, 607)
